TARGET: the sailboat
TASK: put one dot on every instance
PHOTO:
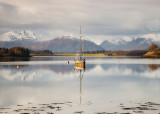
(80, 62)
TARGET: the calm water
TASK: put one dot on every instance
(108, 85)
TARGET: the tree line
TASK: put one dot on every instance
(154, 48)
(15, 52)
(153, 51)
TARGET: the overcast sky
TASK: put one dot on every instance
(100, 19)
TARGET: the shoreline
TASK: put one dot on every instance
(75, 54)
(56, 107)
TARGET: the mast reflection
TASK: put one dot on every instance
(81, 74)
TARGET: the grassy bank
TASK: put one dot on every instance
(42, 54)
(151, 55)
(85, 54)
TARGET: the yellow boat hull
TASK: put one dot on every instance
(79, 63)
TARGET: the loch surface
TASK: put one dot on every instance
(107, 85)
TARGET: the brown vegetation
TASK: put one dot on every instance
(153, 52)
(153, 67)
(152, 47)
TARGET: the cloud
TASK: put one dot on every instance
(97, 17)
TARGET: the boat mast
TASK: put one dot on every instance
(80, 41)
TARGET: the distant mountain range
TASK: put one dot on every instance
(33, 41)
(138, 43)
(65, 44)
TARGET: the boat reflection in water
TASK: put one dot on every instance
(81, 74)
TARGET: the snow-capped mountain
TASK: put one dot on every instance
(9, 36)
(59, 44)
(141, 42)
(24, 34)
(126, 39)
(33, 41)
(121, 40)
(29, 35)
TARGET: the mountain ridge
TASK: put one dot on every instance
(35, 41)
(61, 44)
(24, 34)
(134, 44)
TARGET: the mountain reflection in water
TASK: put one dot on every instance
(31, 72)
(102, 87)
